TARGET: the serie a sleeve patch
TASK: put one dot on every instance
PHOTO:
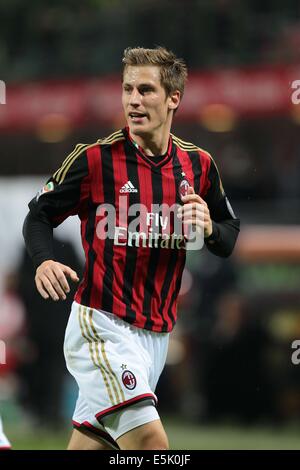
(46, 189)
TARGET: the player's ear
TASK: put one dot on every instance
(174, 99)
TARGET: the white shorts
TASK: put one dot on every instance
(4, 442)
(116, 366)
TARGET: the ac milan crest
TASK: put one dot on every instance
(183, 187)
(128, 379)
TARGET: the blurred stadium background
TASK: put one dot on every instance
(230, 382)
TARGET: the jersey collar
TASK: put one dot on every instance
(151, 161)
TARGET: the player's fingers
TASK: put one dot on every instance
(198, 215)
(49, 288)
(191, 198)
(50, 274)
(202, 201)
(41, 289)
(193, 218)
(62, 279)
(194, 207)
(194, 222)
(188, 205)
(74, 276)
(199, 206)
(191, 228)
(197, 210)
(189, 191)
(69, 272)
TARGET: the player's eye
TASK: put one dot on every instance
(145, 89)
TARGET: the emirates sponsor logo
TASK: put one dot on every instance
(135, 226)
(151, 239)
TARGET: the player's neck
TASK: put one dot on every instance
(154, 144)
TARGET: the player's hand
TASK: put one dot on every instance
(195, 212)
(51, 279)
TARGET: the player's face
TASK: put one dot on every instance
(147, 107)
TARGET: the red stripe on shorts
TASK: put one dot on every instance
(126, 403)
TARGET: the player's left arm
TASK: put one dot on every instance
(213, 214)
(225, 224)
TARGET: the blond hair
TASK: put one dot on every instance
(173, 71)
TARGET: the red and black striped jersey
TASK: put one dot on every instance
(113, 186)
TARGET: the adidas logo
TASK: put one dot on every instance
(128, 188)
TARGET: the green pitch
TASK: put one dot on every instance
(181, 436)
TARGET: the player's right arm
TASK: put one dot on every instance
(51, 279)
(66, 193)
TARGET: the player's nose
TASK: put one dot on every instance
(135, 98)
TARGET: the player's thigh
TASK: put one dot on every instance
(149, 436)
(83, 440)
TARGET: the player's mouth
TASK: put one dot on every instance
(137, 117)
